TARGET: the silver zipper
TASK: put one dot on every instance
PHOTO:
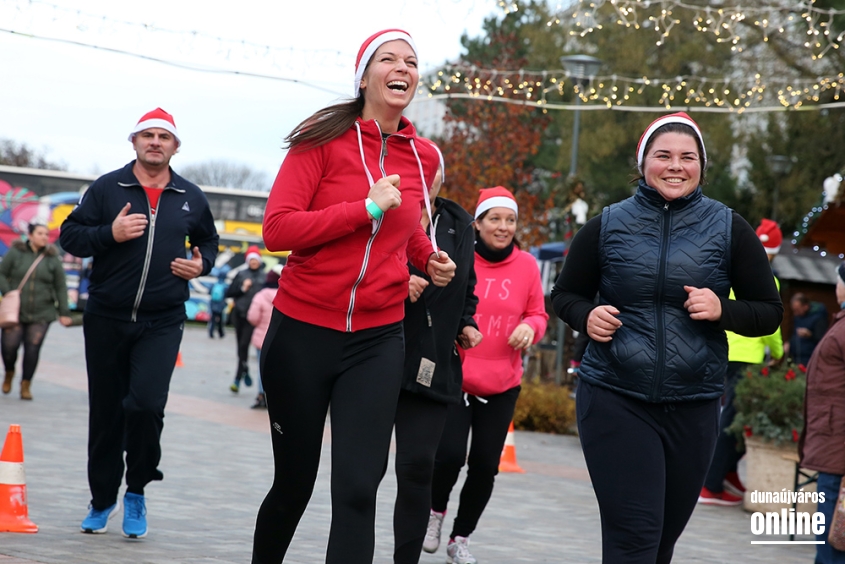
(147, 256)
(369, 247)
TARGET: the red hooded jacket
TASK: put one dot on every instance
(346, 271)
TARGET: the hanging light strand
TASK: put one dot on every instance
(725, 22)
(546, 86)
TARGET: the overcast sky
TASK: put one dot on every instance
(78, 103)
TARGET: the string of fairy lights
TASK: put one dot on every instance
(727, 22)
(46, 20)
(545, 87)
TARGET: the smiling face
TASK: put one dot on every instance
(391, 78)
(155, 146)
(497, 227)
(672, 165)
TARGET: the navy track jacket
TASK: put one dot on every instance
(132, 281)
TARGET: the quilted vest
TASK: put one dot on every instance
(649, 250)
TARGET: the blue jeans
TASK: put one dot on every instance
(829, 485)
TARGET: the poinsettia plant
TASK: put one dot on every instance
(770, 403)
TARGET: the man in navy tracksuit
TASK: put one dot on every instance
(134, 222)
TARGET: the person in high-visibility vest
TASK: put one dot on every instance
(722, 485)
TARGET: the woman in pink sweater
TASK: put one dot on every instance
(511, 315)
(259, 314)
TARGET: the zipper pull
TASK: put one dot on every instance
(666, 206)
(428, 316)
(384, 146)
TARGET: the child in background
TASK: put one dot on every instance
(217, 305)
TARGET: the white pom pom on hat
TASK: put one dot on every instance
(679, 117)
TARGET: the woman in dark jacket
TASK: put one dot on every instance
(43, 298)
(437, 321)
(663, 262)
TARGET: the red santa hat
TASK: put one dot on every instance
(679, 117)
(253, 253)
(770, 235)
(371, 45)
(498, 197)
(156, 118)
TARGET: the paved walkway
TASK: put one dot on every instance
(218, 466)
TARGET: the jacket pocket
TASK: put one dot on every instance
(820, 421)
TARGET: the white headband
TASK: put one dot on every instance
(371, 49)
(496, 202)
(660, 123)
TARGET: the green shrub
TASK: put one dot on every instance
(546, 408)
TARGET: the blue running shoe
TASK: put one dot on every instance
(247, 379)
(97, 520)
(134, 516)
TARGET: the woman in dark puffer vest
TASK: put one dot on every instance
(43, 298)
(663, 262)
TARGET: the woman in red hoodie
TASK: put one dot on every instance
(511, 315)
(347, 203)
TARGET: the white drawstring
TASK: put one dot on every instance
(364, 162)
(431, 235)
(466, 399)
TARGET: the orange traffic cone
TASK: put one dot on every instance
(179, 363)
(13, 509)
(507, 462)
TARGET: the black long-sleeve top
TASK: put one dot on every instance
(751, 314)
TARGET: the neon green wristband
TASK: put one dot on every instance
(373, 208)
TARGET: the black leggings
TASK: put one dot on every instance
(419, 425)
(726, 457)
(32, 335)
(647, 462)
(489, 419)
(305, 370)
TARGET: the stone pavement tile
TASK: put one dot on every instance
(218, 466)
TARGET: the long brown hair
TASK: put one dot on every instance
(324, 125)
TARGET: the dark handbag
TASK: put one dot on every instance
(10, 305)
(836, 534)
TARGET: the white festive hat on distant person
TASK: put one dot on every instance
(156, 118)
(371, 45)
(679, 117)
(498, 197)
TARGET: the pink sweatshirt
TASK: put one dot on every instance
(260, 310)
(509, 293)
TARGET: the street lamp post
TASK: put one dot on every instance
(582, 69)
(780, 166)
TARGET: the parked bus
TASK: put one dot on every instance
(30, 195)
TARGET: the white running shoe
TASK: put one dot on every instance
(432, 535)
(457, 552)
